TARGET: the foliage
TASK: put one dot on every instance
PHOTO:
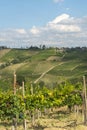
(16, 106)
(10, 105)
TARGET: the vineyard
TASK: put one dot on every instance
(27, 107)
(47, 92)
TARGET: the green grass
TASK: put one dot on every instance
(20, 54)
(67, 65)
(43, 55)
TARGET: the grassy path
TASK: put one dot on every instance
(44, 73)
(75, 67)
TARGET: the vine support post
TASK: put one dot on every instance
(84, 101)
(31, 89)
(14, 83)
(14, 120)
(23, 89)
(24, 121)
(33, 117)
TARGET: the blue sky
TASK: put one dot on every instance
(34, 22)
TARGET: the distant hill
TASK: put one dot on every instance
(47, 66)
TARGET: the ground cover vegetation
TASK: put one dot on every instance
(43, 64)
(35, 103)
(52, 89)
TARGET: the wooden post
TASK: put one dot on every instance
(33, 118)
(84, 101)
(14, 83)
(24, 121)
(31, 89)
(14, 120)
(23, 89)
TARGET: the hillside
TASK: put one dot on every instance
(43, 66)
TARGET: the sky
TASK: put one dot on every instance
(61, 23)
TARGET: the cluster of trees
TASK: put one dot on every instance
(41, 47)
(3, 47)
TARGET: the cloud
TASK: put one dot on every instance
(63, 23)
(57, 1)
(59, 19)
(34, 30)
(65, 28)
(21, 31)
(62, 31)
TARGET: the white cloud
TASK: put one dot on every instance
(21, 31)
(63, 30)
(34, 30)
(2, 39)
(59, 19)
(63, 23)
(57, 1)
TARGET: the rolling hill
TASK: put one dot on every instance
(48, 66)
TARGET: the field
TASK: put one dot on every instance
(47, 66)
(53, 81)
